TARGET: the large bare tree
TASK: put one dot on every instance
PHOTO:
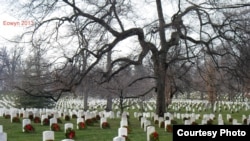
(146, 28)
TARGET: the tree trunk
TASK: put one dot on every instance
(85, 101)
(202, 96)
(121, 102)
(188, 95)
(167, 90)
(160, 73)
(142, 104)
(109, 97)
(160, 65)
(176, 96)
(109, 103)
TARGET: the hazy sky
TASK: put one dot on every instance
(9, 25)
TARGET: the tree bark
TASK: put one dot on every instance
(85, 101)
(168, 90)
(160, 72)
(160, 64)
(109, 103)
(109, 97)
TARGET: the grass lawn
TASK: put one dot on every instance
(91, 133)
(95, 133)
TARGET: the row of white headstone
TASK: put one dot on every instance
(77, 103)
(49, 134)
(13, 112)
(191, 117)
(190, 106)
(147, 126)
(203, 105)
(123, 129)
(177, 104)
(7, 101)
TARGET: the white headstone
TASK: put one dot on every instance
(160, 121)
(13, 115)
(112, 115)
(235, 122)
(146, 123)
(119, 139)
(118, 114)
(25, 114)
(187, 122)
(43, 117)
(135, 114)
(178, 115)
(1, 128)
(122, 131)
(248, 121)
(167, 122)
(1, 112)
(192, 119)
(78, 120)
(220, 122)
(204, 121)
(150, 129)
(103, 119)
(143, 119)
(243, 118)
(68, 125)
(36, 114)
(156, 117)
(52, 120)
(48, 135)
(25, 122)
(56, 115)
(228, 116)
(124, 122)
(124, 114)
(80, 114)
(211, 116)
(87, 116)
(197, 116)
(3, 136)
(219, 116)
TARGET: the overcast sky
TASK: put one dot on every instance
(8, 31)
(11, 25)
